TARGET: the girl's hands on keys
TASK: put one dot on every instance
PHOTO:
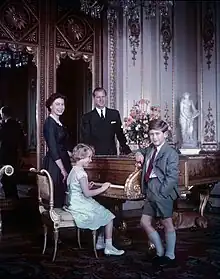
(105, 186)
(91, 184)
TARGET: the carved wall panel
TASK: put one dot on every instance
(80, 38)
(19, 21)
(208, 77)
(76, 33)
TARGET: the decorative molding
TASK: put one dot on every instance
(166, 35)
(33, 5)
(61, 42)
(210, 127)
(41, 85)
(134, 37)
(33, 51)
(4, 35)
(74, 56)
(208, 34)
(51, 49)
(97, 59)
(169, 121)
(112, 53)
(17, 19)
(76, 33)
(32, 37)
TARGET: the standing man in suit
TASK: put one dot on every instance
(12, 143)
(101, 125)
(160, 183)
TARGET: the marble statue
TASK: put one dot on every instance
(188, 113)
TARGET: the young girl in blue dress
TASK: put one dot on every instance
(87, 212)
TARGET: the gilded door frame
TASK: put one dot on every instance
(55, 43)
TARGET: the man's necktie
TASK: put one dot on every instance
(150, 165)
(102, 115)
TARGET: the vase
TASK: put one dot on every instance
(133, 147)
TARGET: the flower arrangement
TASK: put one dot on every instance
(136, 124)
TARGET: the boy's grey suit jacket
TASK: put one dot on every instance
(166, 168)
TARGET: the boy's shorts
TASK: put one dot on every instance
(155, 204)
(160, 208)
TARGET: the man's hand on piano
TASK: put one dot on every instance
(91, 184)
(105, 186)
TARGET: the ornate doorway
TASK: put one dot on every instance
(74, 80)
(49, 28)
(18, 74)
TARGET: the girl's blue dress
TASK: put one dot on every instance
(87, 212)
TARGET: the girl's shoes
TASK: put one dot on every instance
(100, 246)
(112, 251)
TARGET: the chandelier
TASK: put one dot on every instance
(12, 55)
(129, 8)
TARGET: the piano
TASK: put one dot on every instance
(121, 172)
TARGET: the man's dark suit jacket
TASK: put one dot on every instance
(11, 141)
(100, 133)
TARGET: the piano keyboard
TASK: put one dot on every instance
(111, 185)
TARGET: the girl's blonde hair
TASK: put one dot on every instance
(80, 151)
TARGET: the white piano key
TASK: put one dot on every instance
(111, 185)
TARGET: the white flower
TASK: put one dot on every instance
(137, 128)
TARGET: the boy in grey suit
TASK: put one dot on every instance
(160, 183)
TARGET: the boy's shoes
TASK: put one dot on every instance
(157, 260)
(166, 262)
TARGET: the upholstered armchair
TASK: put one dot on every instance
(54, 217)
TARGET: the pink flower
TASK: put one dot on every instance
(133, 113)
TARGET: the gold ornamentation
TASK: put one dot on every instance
(16, 18)
(208, 34)
(32, 37)
(75, 33)
(133, 185)
(209, 128)
(168, 120)
(33, 51)
(76, 30)
(166, 34)
(112, 53)
(61, 42)
(74, 56)
(134, 30)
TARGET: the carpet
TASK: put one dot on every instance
(197, 251)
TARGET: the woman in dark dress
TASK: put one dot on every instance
(57, 159)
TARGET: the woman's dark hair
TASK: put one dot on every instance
(52, 98)
(158, 124)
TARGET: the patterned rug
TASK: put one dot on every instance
(198, 255)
